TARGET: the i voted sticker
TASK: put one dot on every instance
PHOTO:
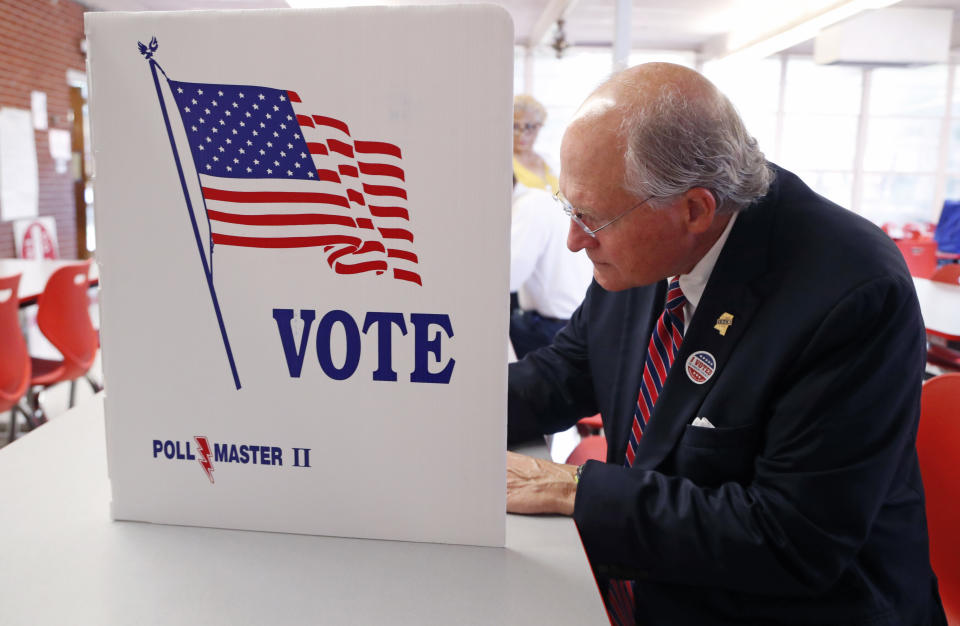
(700, 366)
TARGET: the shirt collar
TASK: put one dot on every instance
(695, 282)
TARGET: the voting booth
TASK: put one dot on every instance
(302, 225)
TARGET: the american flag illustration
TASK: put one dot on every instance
(276, 174)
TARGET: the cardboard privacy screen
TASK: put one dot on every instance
(302, 230)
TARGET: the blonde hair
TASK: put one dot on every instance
(529, 105)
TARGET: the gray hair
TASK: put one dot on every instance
(675, 143)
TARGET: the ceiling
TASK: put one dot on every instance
(656, 24)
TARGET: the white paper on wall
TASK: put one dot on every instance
(38, 107)
(60, 148)
(302, 224)
(19, 193)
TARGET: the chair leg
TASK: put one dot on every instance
(97, 387)
(73, 393)
(13, 421)
(36, 415)
(28, 416)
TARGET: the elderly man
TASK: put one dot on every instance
(756, 353)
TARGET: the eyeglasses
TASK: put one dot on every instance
(529, 127)
(577, 216)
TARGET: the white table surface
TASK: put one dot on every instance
(34, 273)
(940, 305)
(63, 561)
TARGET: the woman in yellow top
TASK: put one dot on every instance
(529, 168)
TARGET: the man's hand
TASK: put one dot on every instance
(539, 486)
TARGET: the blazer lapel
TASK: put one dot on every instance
(681, 397)
(734, 289)
(641, 313)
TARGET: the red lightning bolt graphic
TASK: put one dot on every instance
(203, 455)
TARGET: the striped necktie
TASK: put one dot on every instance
(662, 351)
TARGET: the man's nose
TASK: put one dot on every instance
(577, 239)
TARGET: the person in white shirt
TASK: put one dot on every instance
(549, 279)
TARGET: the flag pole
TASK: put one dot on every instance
(154, 66)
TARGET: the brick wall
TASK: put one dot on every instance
(39, 42)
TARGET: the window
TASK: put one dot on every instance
(820, 119)
(562, 85)
(679, 57)
(890, 166)
(902, 145)
(754, 89)
(884, 142)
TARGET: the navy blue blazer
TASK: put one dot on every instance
(804, 504)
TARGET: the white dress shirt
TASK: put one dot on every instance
(547, 277)
(693, 284)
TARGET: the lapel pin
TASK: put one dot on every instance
(724, 322)
(700, 366)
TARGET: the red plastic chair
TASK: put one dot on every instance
(945, 356)
(14, 360)
(594, 447)
(63, 316)
(938, 440)
(919, 229)
(947, 274)
(590, 425)
(920, 255)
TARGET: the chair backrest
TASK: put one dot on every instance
(938, 441)
(947, 233)
(14, 359)
(590, 425)
(592, 447)
(919, 230)
(947, 274)
(63, 315)
(920, 255)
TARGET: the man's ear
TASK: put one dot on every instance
(700, 209)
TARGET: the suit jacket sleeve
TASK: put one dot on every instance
(551, 388)
(839, 424)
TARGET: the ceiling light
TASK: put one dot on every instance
(333, 4)
(795, 32)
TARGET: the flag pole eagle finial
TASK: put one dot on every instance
(147, 51)
(155, 70)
